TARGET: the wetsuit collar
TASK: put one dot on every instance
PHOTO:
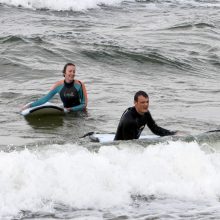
(136, 113)
(68, 85)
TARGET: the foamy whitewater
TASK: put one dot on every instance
(78, 5)
(168, 48)
(73, 176)
(59, 5)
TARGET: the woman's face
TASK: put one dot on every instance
(70, 73)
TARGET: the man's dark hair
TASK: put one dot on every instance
(66, 65)
(140, 93)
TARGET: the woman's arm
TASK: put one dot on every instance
(45, 98)
(83, 99)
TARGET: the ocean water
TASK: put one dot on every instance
(170, 49)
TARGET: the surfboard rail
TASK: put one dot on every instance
(109, 137)
(47, 108)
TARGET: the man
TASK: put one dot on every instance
(135, 118)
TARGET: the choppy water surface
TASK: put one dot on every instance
(170, 49)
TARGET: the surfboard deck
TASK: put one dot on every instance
(46, 109)
(109, 137)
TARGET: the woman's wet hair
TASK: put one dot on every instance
(140, 93)
(66, 65)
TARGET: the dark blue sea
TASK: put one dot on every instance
(168, 48)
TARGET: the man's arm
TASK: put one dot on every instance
(155, 128)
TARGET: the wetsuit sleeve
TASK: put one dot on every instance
(155, 128)
(45, 98)
(83, 99)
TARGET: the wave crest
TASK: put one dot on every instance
(60, 5)
(154, 57)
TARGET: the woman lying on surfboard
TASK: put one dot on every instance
(72, 92)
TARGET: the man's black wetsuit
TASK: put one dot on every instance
(132, 124)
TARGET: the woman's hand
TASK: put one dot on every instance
(67, 110)
(25, 107)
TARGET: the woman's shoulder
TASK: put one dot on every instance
(79, 82)
(56, 84)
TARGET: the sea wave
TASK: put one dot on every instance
(120, 54)
(60, 5)
(41, 48)
(185, 26)
(73, 176)
(80, 5)
(11, 39)
(16, 49)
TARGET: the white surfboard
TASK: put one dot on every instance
(109, 137)
(46, 109)
(104, 138)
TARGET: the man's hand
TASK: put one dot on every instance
(182, 133)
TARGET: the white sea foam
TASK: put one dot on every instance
(76, 177)
(79, 5)
(75, 5)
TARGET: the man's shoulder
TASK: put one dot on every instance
(127, 112)
(128, 116)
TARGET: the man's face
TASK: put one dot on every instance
(141, 105)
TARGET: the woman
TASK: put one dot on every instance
(72, 92)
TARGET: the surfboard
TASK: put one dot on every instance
(46, 109)
(105, 138)
(109, 137)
